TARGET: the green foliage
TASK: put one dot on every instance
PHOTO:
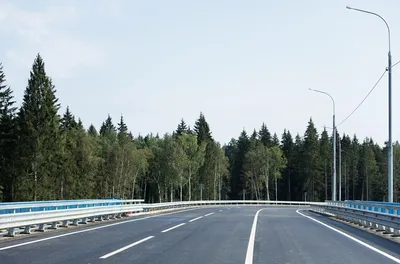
(47, 156)
(202, 129)
(7, 138)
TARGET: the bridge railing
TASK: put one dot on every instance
(38, 216)
(25, 207)
(381, 216)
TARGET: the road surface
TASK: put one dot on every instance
(206, 235)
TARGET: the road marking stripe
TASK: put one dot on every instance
(352, 238)
(169, 229)
(91, 229)
(220, 210)
(126, 247)
(250, 247)
(209, 214)
(195, 219)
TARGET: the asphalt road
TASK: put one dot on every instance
(206, 235)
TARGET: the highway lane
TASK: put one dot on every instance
(209, 235)
(87, 247)
(218, 238)
(285, 236)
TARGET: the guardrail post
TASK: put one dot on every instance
(83, 221)
(388, 230)
(75, 222)
(27, 230)
(65, 223)
(41, 228)
(10, 232)
(53, 225)
(380, 228)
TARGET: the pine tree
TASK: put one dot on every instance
(122, 127)
(325, 153)
(92, 131)
(123, 136)
(298, 178)
(288, 152)
(7, 138)
(265, 136)
(68, 121)
(182, 128)
(254, 139)
(202, 130)
(39, 138)
(238, 176)
(107, 127)
(69, 129)
(275, 140)
(314, 183)
(79, 125)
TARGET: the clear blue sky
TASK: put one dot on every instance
(240, 62)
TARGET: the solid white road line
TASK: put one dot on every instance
(352, 238)
(91, 229)
(250, 247)
(126, 247)
(169, 229)
(220, 210)
(195, 219)
(209, 214)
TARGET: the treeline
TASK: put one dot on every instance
(44, 155)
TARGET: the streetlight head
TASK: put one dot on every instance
(348, 7)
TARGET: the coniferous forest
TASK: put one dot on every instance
(46, 155)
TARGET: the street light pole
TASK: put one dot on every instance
(333, 146)
(340, 170)
(390, 145)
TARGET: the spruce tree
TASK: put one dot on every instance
(107, 128)
(122, 127)
(39, 137)
(275, 140)
(325, 153)
(202, 129)
(123, 136)
(182, 128)
(237, 183)
(7, 138)
(288, 152)
(68, 120)
(265, 136)
(92, 131)
(314, 183)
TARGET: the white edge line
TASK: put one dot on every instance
(91, 229)
(126, 247)
(250, 247)
(209, 214)
(169, 229)
(352, 238)
(195, 219)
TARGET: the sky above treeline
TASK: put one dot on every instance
(241, 63)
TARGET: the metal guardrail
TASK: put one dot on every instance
(379, 216)
(383, 207)
(24, 207)
(38, 216)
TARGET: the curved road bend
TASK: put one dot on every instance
(206, 235)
